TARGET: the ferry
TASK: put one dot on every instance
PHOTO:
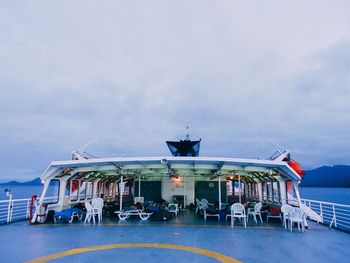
(178, 208)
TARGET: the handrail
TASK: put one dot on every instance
(334, 215)
(16, 209)
(323, 202)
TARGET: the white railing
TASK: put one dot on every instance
(17, 209)
(334, 215)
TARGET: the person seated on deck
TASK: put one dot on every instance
(214, 209)
(136, 206)
(110, 208)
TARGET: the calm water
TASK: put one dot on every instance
(335, 195)
(18, 192)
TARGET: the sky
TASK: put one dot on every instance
(243, 75)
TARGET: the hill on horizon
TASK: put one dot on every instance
(35, 181)
(327, 176)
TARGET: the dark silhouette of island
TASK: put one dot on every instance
(36, 181)
(327, 176)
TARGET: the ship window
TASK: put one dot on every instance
(291, 196)
(74, 188)
(82, 191)
(264, 191)
(67, 190)
(276, 192)
(116, 189)
(53, 191)
(101, 186)
(256, 191)
(252, 192)
(106, 189)
(237, 189)
(111, 189)
(269, 191)
(89, 190)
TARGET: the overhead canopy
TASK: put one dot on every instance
(112, 168)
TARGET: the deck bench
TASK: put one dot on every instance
(123, 215)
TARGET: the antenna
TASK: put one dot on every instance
(124, 153)
(275, 143)
(77, 156)
(187, 133)
(86, 145)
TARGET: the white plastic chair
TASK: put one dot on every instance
(205, 214)
(90, 213)
(256, 211)
(297, 215)
(238, 211)
(97, 203)
(200, 205)
(205, 202)
(286, 210)
(173, 208)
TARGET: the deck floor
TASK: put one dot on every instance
(173, 241)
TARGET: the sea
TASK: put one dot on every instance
(327, 194)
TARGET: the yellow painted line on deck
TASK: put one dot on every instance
(211, 254)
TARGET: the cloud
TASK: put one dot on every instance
(135, 74)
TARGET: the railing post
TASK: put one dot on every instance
(321, 210)
(9, 210)
(28, 207)
(334, 218)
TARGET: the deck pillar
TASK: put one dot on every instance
(121, 191)
(239, 187)
(139, 186)
(219, 185)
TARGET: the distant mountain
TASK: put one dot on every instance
(36, 181)
(327, 176)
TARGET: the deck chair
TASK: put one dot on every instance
(205, 202)
(173, 208)
(97, 204)
(256, 211)
(199, 206)
(206, 214)
(297, 215)
(198, 203)
(90, 213)
(286, 210)
(238, 211)
(204, 208)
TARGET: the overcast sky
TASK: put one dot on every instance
(135, 73)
